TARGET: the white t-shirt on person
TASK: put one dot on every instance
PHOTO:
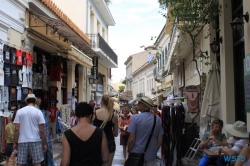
(29, 118)
(240, 144)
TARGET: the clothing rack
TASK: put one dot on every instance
(173, 116)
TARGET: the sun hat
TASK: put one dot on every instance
(155, 104)
(146, 101)
(30, 96)
(237, 129)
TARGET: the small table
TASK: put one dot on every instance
(212, 154)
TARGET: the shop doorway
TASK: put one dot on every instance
(239, 55)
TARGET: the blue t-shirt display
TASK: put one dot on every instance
(53, 102)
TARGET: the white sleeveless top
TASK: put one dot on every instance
(247, 163)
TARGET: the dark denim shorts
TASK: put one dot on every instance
(111, 145)
(9, 149)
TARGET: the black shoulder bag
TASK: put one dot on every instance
(137, 159)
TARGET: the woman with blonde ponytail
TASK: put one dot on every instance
(108, 121)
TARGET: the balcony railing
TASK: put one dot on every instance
(155, 72)
(96, 41)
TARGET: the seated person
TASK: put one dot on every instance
(246, 153)
(239, 132)
(207, 142)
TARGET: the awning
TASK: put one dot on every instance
(115, 99)
(159, 94)
(62, 32)
(166, 94)
(79, 57)
(132, 101)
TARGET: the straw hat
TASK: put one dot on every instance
(30, 96)
(238, 129)
(147, 101)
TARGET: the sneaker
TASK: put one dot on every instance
(123, 161)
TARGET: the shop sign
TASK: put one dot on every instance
(247, 82)
(100, 88)
(95, 67)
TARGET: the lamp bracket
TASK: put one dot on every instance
(220, 39)
(246, 16)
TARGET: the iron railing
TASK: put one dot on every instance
(96, 41)
(155, 72)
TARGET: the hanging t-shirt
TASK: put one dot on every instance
(53, 102)
(14, 75)
(55, 73)
(45, 77)
(13, 94)
(25, 76)
(5, 96)
(7, 74)
(25, 92)
(19, 58)
(45, 98)
(44, 65)
(1, 73)
(30, 73)
(1, 52)
(53, 91)
(34, 81)
(29, 60)
(53, 111)
(12, 55)
(6, 53)
(19, 93)
(20, 75)
(6, 105)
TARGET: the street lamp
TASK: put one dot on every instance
(214, 46)
(237, 24)
(91, 79)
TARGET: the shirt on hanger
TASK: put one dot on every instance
(25, 77)
(20, 75)
(7, 74)
(1, 52)
(29, 60)
(53, 102)
(44, 65)
(25, 92)
(34, 81)
(5, 96)
(55, 73)
(39, 81)
(6, 53)
(12, 55)
(13, 94)
(19, 93)
(1, 73)
(30, 73)
(14, 75)
(19, 58)
(53, 111)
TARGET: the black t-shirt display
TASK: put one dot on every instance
(6, 53)
(13, 94)
(14, 75)
(7, 74)
(25, 92)
(12, 55)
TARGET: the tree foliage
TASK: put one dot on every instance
(108, 2)
(121, 88)
(192, 16)
(123, 82)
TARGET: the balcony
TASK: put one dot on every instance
(140, 95)
(107, 57)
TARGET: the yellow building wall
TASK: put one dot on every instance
(14, 38)
(75, 10)
(138, 60)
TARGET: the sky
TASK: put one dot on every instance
(136, 21)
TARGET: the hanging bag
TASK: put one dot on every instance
(137, 159)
